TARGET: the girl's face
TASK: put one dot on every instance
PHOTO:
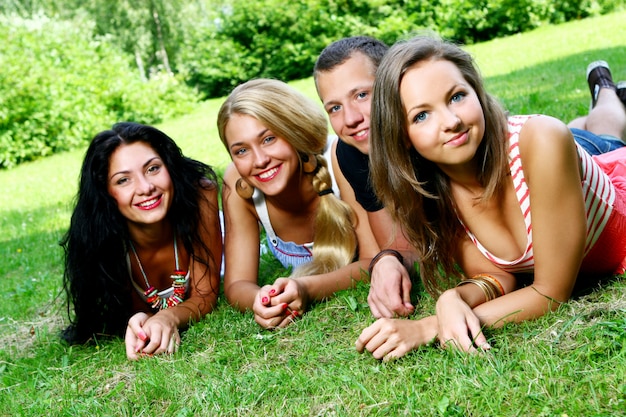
(445, 120)
(266, 161)
(140, 184)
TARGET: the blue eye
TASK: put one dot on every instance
(239, 151)
(362, 95)
(269, 139)
(420, 117)
(457, 97)
(334, 109)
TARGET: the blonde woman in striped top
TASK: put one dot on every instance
(497, 196)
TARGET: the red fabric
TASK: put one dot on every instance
(610, 249)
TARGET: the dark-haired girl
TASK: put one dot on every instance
(143, 251)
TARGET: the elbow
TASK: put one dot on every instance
(233, 296)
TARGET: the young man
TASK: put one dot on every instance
(344, 77)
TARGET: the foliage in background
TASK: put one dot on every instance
(94, 62)
(278, 39)
(59, 85)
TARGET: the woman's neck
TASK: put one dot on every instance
(151, 235)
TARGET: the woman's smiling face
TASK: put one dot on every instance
(140, 183)
(264, 160)
(445, 120)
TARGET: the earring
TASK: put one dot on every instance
(244, 189)
(309, 163)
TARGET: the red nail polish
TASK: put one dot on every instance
(285, 305)
(272, 292)
(264, 300)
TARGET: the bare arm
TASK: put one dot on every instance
(552, 171)
(241, 245)
(368, 247)
(390, 289)
(205, 279)
(390, 286)
(158, 333)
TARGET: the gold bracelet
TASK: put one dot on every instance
(494, 281)
(487, 288)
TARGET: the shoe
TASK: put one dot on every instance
(598, 76)
(621, 91)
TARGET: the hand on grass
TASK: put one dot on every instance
(393, 338)
(390, 289)
(279, 304)
(458, 326)
(151, 335)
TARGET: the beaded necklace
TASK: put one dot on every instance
(178, 284)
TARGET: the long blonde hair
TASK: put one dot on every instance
(416, 192)
(301, 122)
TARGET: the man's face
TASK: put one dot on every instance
(346, 92)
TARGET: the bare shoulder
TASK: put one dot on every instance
(547, 149)
(542, 133)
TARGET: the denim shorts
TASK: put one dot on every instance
(596, 144)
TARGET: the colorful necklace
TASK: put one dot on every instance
(178, 284)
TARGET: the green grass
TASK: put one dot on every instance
(572, 362)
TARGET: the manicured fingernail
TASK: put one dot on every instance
(265, 300)
(294, 313)
(285, 305)
(272, 292)
(142, 336)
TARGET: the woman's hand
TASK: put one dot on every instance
(151, 335)
(458, 325)
(393, 338)
(279, 304)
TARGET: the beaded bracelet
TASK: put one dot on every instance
(382, 253)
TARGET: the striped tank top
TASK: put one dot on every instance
(598, 191)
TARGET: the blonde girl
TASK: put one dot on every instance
(280, 179)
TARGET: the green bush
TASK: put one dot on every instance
(59, 86)
(269, 38)
(63, 80)
(278, 39)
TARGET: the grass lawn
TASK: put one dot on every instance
(570, 363)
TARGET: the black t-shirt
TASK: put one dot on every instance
(355, 166)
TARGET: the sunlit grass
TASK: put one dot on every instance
(571, 362)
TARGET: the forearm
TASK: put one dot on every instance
(192, 309)
(241, 294)
(322, 286)
(525, 304)
(427, 329)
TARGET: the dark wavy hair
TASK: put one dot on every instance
(416, 192)
(96, 279)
